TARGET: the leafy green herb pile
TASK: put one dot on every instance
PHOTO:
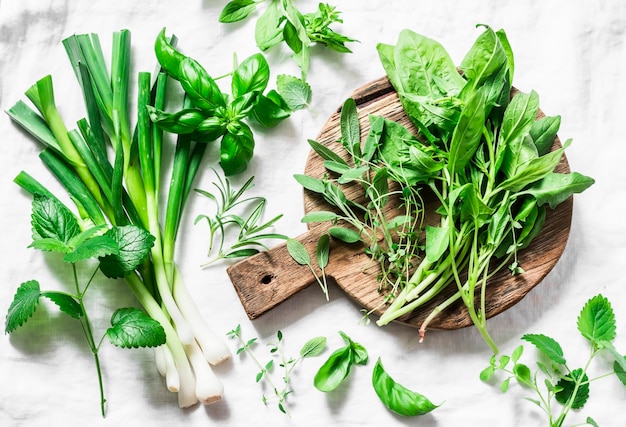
(481, 152)
(553, 380)
(282, 21)
(127, 216)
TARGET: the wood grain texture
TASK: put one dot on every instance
(269, 278)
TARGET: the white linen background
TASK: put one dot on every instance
(571, 52)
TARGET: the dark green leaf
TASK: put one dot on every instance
(51, 219)
(240, 253)
(236, 150)
(66, 303)
(252, 75)
(547, 346)
(313, 347)
(23, 305)
(236, 10)
(270, 109)
(334, 371)
(134, 245)
(347, 235)
(96, 247)
(181, 122)
(202, 90)
(296, 92)
(132, 328)
(298, 252)
(567, 386)
(398, 398)
(596, 321)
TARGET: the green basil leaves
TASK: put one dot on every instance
(210, 114)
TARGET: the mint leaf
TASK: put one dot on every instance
(313, 347)
(134, 245)
(567, 385)
(95, 247)
(296, 92)
(132, 328)
(547, 346)
(66, 303)
(51, 219)
(23, 306)
(596, 321)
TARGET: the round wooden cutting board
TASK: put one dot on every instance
(269, 278)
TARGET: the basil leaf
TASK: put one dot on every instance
(398, 398)
(202, 90)
(555, 188)
(485, 58)
(236, 150)
(252, 75)
(336, 369)
(270, 109)
(237, 10)
(267, 31)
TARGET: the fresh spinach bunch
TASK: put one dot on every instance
(553, 380)
(117, 250)
(481, 152)
(282, 21)
(485, 156)
(209, 114)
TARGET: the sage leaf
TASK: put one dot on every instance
(344, 234)
(298, 252)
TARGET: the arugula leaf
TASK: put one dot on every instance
(23, 305)
(296, 92)
(134, 245)
(132, 328)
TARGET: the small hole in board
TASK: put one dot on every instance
(267, 279)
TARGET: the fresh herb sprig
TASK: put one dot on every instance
(251, 232)
(312, 348)
(557, 387)
(299, 254)
(116, 250)
(282, 22)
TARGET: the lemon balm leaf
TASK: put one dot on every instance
(596, 321)
(24, 304)
(134, 246)
(132, 328)
(547, 346)
(66, 303)
(296, 92)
